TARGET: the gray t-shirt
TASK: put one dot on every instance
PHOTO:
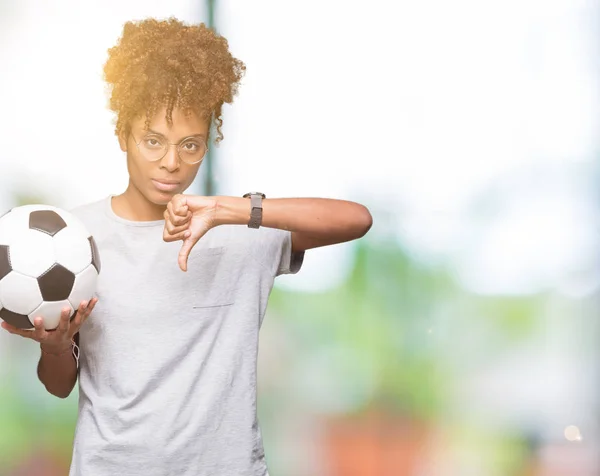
(167, 379)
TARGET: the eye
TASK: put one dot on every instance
(190, 146)
(152, 142)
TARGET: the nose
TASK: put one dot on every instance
(170, 161)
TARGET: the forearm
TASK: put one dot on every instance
(58, 371)
(317, 217)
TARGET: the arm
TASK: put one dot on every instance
(57, 367)
(314, 222)
(57, 370)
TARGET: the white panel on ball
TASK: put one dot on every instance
(84, 286)
(12, 225)
(32, 253)
(20, 293)
(72, 249)
(50, 311)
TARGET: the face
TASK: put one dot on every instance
(160, 180)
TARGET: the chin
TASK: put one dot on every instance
(161, 198)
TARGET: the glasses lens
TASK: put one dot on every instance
(192, 151)
(153, 148)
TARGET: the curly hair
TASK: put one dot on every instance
(170, 64)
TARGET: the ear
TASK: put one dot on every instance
(123, 141)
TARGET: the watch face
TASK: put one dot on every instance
(246, 195)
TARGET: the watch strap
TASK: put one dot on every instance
(256, 199)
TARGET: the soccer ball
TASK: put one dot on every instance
(48, 261)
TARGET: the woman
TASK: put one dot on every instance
(167, 368)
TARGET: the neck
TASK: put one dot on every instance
(132, 205)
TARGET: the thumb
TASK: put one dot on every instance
(186, 247)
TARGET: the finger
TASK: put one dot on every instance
(39, 332)
(172, 219)
(63, 324)
(77, 322)
(179, 220)
(177, 230)
(180, 206)
(173, 229)
(175, 204)
(82, 313)
(186, 248)
(92, 304)
(182, 210)
(20, 332)
(82, 309)
(177, 237)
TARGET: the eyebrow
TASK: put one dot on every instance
(150, 131)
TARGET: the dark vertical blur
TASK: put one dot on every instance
(209, 181)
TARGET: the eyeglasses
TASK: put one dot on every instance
(154, 147)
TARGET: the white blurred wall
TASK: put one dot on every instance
(413, 107)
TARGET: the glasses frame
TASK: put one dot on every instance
(169, 144)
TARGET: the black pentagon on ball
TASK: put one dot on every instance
(5, 266)
(56, 283)
(46, 221)
(95, 254)
(20, 321)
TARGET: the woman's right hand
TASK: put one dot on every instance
(59, 339)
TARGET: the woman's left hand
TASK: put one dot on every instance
(188, 218)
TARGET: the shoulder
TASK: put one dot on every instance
(91, 214)
(90, 207)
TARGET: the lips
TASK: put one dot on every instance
(165, 185)
(167, 181)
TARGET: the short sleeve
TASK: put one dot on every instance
(273, 248)
(289, 262)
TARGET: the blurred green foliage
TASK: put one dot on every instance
(31, 420)
(396, 319)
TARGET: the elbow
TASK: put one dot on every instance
(59, 393)
(56, 390)
(62, 393)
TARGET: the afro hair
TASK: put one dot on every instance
(170, 64)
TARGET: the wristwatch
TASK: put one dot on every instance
(256, 199)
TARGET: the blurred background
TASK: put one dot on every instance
(460, 336)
